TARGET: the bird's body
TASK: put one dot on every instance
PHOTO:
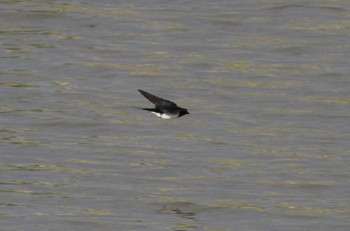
(164, 109)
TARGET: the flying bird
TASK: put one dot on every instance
(164, 109)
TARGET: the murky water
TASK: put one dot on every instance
(266, 146)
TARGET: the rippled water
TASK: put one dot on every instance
(266, 146)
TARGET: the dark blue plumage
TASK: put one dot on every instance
(164, 109)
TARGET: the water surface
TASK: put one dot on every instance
(266, 146)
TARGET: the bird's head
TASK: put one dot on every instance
(183, 112)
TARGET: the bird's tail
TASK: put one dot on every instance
(146, 109)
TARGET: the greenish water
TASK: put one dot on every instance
(266, 146)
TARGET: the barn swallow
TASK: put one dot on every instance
(164, 109)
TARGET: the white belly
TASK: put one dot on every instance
(164, 116)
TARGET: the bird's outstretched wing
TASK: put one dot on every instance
(155, 99)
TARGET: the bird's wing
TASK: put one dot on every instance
(155, 99)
